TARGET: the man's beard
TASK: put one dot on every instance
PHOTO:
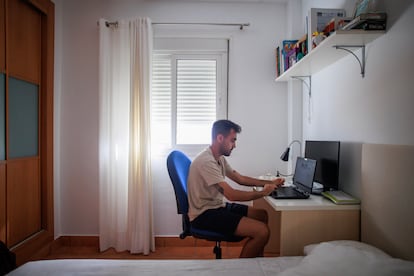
(227, 152)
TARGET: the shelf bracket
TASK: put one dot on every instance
(360, 60)
(308, 83)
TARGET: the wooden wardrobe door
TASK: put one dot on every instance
(2, 122)
(24, 41)
(3, 202)
(23, 36)
(2, 37)
(26, 125)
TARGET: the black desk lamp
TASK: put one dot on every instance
(285, 155)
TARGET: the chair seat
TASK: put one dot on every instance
(213, 236)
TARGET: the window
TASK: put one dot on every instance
(189, 92)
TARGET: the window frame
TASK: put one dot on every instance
(221, 58)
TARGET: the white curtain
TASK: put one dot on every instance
(125, 185)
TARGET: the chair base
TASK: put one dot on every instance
(217, 250)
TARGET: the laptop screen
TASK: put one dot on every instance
(304, 173)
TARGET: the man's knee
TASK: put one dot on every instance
(265, 216)
(262, 231)
(254, 228)
(266, 233)
(258, 214)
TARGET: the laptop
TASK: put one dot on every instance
(302, 181)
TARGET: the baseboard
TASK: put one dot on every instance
(34, 247)
(74, 241)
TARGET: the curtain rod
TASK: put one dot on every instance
(241, 25)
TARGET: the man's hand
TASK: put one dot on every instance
(278, 182)
(268, 188)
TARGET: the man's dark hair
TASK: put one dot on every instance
(224, 127)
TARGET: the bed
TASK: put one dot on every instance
(386, 247)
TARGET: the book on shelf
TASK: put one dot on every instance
(368, 21)
(291, 57)
(288, 45)
(372, 26)
(366, 6)
(302, 47)
(335, 24)
(318, 18)
(278, 72)
(288, 48)
(340, 197)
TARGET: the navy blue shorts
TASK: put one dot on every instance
(223, 220)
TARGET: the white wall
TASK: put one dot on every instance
(346, 107)
(255, 100)
(375, 109)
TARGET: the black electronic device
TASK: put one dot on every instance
(302, 181)
(326, 154)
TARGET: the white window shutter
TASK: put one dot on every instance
(196, 100)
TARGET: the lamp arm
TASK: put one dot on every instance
(300, 146)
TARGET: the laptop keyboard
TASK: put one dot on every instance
(288, 192)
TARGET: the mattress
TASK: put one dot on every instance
(339, 258)
(228, 267)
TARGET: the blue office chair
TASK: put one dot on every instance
(178, 165)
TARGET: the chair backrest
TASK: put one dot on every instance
(178, 165)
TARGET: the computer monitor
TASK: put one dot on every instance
(326, 154)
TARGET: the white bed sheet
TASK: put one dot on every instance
(348, 259)
(336, 258)
(228, 267)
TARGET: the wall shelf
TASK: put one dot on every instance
(326, 52)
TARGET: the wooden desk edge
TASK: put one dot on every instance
(308, 204)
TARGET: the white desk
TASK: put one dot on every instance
(314, 202)
(295, 223)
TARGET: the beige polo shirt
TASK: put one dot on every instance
(202, 184)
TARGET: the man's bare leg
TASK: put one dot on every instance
(257, 214)
(257, 232)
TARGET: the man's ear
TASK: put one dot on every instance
(220, 138)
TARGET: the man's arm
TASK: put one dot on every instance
(250, 181)
(238, 195)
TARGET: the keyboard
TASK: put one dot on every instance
(289, 193)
